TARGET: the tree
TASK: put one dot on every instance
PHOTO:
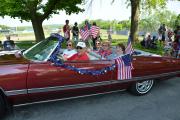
(151, 23)
(37, 11)
(4, 27)
(140, 5)
(177, 21)
(136, 7)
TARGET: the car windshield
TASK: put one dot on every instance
(41, 51)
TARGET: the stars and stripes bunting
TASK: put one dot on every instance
(94, 31)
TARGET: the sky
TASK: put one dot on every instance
(101, 9)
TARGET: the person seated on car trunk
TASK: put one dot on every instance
(8, 44)
(81, 53)
(69, 51)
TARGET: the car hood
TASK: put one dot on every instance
(9, 57)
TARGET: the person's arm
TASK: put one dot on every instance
(94, 54)
(13, 44)
(64, 28)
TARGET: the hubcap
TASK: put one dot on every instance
(144, 86)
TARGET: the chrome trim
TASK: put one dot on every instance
(67, 87)
(30, 49)
(147, 77)
(3, 91)
(16, 92)
(94, 84)
(45, 60)
(68, 98)
(51, 53)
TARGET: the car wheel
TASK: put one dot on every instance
(2, 107)
(142, 87)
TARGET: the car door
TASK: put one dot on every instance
(47, 81)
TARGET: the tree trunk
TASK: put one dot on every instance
(38, 29)
(134, 19)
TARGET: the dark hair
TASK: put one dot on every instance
(67, 21)
(94, 23)
(121, 46)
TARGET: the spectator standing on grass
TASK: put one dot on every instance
(177, 33)
(148, 40)
(176, 48)
(169, 34)
(75, 32)
(8, 44)
(161, 32)
(168, 48)
(109, 37)
(66, 30)
(1, 47)
(95, 33)
(109, 32)
(85, 33)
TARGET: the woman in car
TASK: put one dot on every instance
(106, 50)
(120, 51)
(81, 53)
(98, 46)
(69, 51)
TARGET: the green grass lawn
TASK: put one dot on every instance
(25, 44)
(24, 41)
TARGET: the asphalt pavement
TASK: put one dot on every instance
(162, 103)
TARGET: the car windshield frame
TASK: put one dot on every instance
(41, 51)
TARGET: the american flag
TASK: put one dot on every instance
(124, 67)
(94, 31)
(124, 63)
(84, 34)
(129, 49)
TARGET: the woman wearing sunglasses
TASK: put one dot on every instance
(106, 50)
(81, 52)
(69, 51)
(98, 46)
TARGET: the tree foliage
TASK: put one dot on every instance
(37, 11)
(152, 22)
(136, 7)
(114, 24)
(4, 27)
(177, 21)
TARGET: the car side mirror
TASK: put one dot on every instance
(22, 51)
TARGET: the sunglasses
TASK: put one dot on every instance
(79, 47)
(68, 45)
(105, 45)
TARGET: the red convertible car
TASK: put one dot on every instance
(34, 78)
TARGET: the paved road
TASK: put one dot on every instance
(162, 103)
